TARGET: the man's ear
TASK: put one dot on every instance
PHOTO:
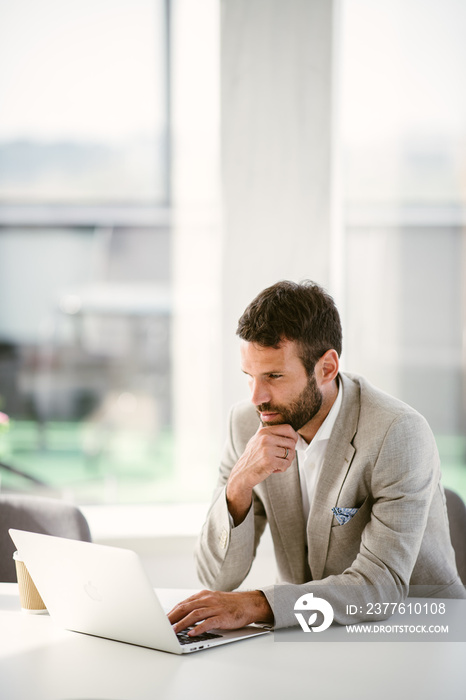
(329, 366)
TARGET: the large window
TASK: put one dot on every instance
(404, 135)
(83, 101)
(85, 282)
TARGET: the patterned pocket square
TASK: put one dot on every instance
(343, 515)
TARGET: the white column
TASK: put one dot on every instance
(195, 29)
(278, 140)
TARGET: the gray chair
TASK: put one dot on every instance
(456, 510)
(47, 516)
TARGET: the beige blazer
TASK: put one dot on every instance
(381, 459)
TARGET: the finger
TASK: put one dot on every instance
(185, 606)
(190, 618)
(283, 456)
(285, 453)
(283, 441)
(283, 430)
(211, 623)
(199, 615)
(283, 460)
(180, 613)
(203, 601)
(175, 615)
(282, 466)
(276, 443)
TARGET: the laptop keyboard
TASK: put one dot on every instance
(183, 637)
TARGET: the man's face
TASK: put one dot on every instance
(281, 389)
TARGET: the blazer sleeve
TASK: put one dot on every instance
(224, 554)
(402, 481)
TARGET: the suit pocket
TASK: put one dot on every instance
(354, 523)
(345, 540)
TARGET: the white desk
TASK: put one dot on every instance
(39, 661)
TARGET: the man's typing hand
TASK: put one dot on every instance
(270, 450)
(219, 610)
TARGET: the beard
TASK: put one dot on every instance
(300, 410)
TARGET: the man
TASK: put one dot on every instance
(346, 476)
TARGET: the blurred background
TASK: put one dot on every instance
(162, 161)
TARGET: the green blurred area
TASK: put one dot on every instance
(89, 466)
(452, 449)
(74, 460)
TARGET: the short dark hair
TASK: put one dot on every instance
(302, 312)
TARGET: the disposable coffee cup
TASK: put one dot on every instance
(29, 597)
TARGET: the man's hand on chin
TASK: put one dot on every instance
(219, 610)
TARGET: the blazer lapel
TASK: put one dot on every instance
(285, 499)
(337, 461)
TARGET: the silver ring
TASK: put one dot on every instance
(287, 452)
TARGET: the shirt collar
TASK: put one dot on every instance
(326, 428)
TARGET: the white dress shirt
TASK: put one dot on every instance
(311, 456)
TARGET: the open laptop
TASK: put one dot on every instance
(104, 591)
